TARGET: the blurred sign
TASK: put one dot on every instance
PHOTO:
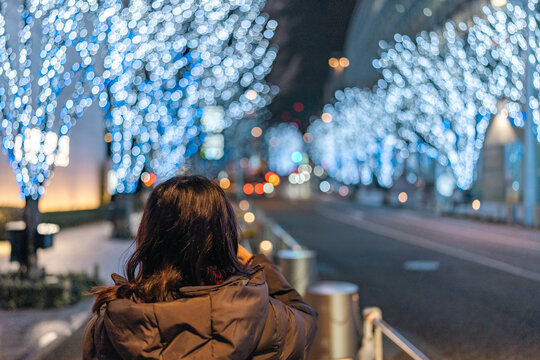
(112, 182)
(445, 185)
(213, 119)
(213, 147)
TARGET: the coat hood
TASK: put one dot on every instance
(222, 321)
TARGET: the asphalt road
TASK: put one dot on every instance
(456, 288)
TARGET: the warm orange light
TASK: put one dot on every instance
(259, 189)
(268, 174)
(5, 248)
(148, 179)
(249, 217)
(108, 137)
(266, 247)
(256, 131)
(344, 62)
(498, 3)
(225, 183)
(403, 197)
(326, 117)
(274, 179)
(333, 62)
(476, 205)
(251, 95)
(248, 189)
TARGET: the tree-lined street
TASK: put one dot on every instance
(425, 108)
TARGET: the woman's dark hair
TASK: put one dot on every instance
(188, 236)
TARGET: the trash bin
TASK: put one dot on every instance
(46, 233)
(17, 235)
(337, 334)
(299, 268)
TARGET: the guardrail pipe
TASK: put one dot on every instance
(374, 328)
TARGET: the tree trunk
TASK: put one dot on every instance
(353, 195)
(386, 196)
(239, 179)
(122, 208)
(32, 218)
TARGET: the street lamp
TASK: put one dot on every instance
(338, 64)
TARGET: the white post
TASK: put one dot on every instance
(372, 345)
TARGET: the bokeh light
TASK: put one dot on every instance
(256, 132)
(249, 217)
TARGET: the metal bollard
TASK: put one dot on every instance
(299, 268)
(337, 304)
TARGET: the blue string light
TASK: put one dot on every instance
(168, 61)
(439, 91)
(38, 111)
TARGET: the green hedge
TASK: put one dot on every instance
(50, 291)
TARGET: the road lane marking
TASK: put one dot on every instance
(421, 265)
(431, 245)
(472, 232)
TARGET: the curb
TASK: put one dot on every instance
(43, 336)
(50, 349)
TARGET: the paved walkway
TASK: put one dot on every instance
(29, 334)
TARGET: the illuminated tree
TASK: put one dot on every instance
(285, 148)
(232, 82)
(440, 96)
(234, 73)
(169, 61)
(211, 53)
(355, 139)
(440, 91)
(149, 65)
(39, 110)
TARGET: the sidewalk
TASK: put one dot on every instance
(30, 333)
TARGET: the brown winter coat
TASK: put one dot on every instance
(260, 317)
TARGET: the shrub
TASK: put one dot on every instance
(49, 291)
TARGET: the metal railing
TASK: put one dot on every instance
(274, 233)
(372, 342)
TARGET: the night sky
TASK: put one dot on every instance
(309, 33)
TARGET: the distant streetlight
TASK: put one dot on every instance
(344, 62)
(256, 131)
(338, 64)
(498, 3)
